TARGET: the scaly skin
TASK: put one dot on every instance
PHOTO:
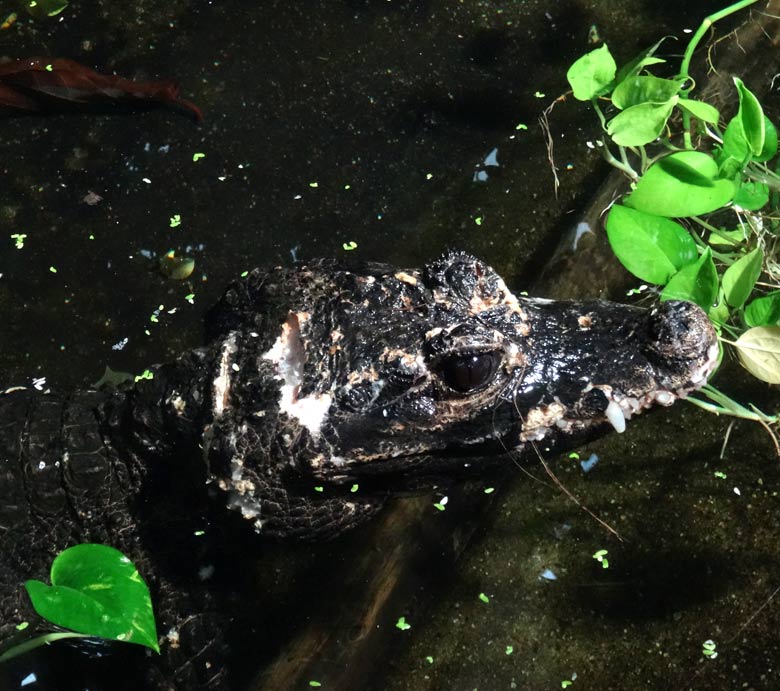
(317, 376)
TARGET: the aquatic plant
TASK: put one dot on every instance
(717, 177)
(96, 592)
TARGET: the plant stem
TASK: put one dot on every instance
(688, 56)
(644, 165)
(628, 170)
(711, 228)
(600, 114)
(760, 173)
(726, 258)
(37, 642)
(725, 405)
(705, 25)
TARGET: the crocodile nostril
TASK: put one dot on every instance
(680, 330)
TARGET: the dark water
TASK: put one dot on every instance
(377, 123)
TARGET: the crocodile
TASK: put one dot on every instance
(323, 390)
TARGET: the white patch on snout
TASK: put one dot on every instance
(514, 357)
(539, 421)
(221, 385)
(289, 356)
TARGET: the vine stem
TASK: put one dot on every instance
(615, 163)
(691, 48)
(703, 28)
(37, 642)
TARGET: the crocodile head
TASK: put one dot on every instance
(404, 378)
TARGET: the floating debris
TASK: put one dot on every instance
(441, 504)
(492, 158)
(92, 198)
(590, 463)
(177, 268)
(9, 21)
(601, 557)
(113, 378)
(402, 624)
(708, 649)
(146, 374)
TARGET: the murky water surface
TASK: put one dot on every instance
(398, 129)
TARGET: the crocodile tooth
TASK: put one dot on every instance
(616, 417)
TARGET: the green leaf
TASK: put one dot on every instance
(642, 60)
(730, 166)
(112, 378)
(751, 195)
(41, 9)
(751, 116)
(727, 238)
(720, 312)
(735, 145)
(638, 89)
(749, 134)
(650, 247)
(696, 283)
(590, 76)
(759, 352)
(640, 124)
(681, 184)
(403, 624)
(764, 311)
(97, 591)
(770, 142)
(741, 276)
(700, 110)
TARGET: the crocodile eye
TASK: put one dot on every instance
(469, 371)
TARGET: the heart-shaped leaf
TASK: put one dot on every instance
(644, 89)
(592, 74)
(741, 276)
(96, 590)
(696, 283)
(701, 110)
(751, 116)
(640, 124)
(650, 247)
(764, 311)
(751, 195)
(681, 184)
(759, 352)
